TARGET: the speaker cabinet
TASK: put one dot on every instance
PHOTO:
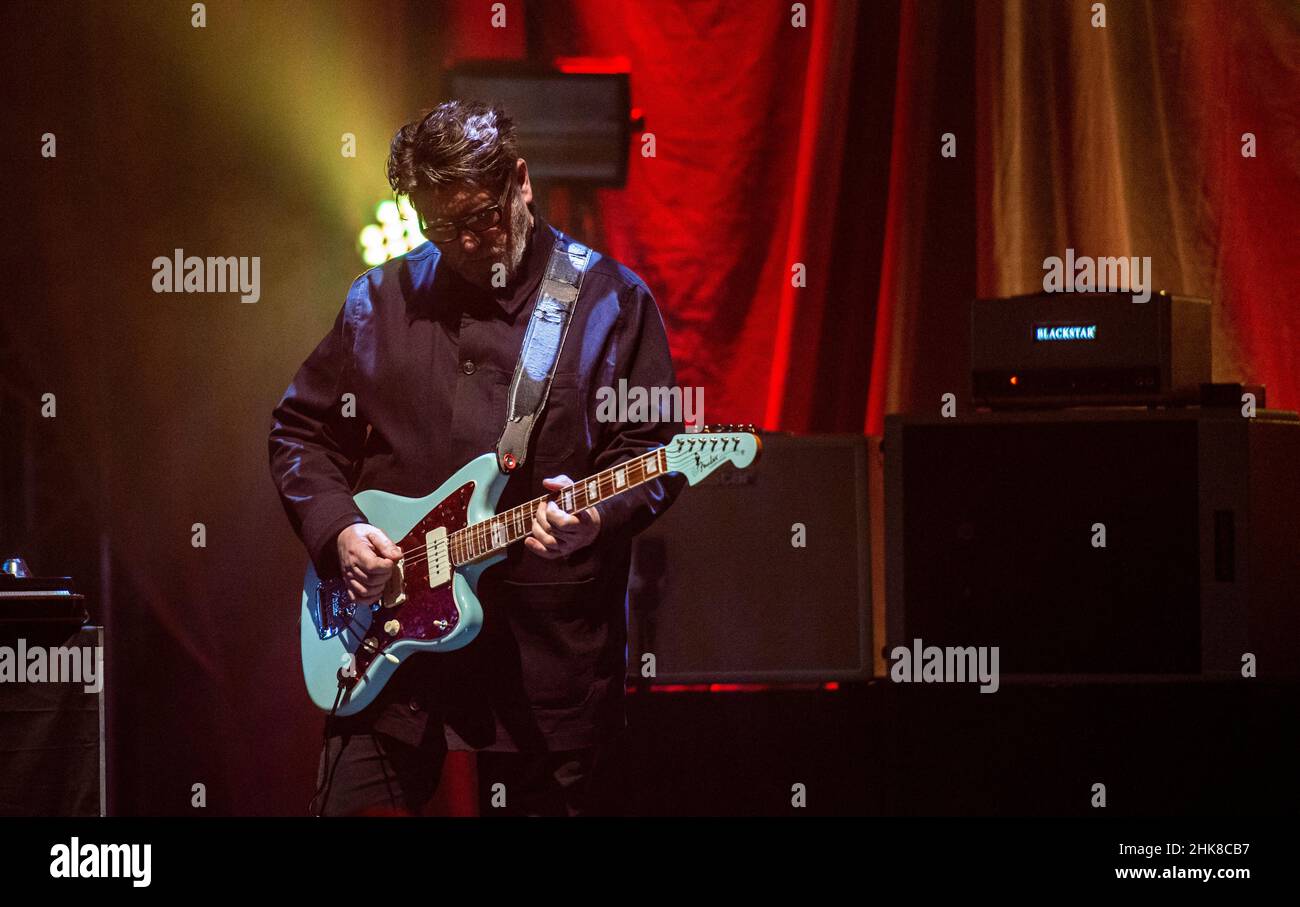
(52, 733)
(574, 127)
(995, 522)
(760, 574)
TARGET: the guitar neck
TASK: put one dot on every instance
(485, 538)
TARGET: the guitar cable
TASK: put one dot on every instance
(328, 776)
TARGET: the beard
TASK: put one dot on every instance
(481, 271)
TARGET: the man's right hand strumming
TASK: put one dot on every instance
(366, 559)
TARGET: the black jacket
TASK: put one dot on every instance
(428, 358)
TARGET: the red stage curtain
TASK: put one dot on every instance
(747, 110)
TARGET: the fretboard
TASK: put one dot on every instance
(492, 535)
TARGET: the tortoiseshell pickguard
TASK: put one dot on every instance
(428, 613)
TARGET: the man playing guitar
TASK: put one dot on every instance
(411, 383)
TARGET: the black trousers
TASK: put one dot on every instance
(369, 773)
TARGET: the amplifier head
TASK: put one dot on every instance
(1066, 349)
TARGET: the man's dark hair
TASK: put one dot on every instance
(455, 142)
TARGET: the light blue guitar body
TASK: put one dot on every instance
(332, 641)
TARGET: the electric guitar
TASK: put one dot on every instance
(448, 538)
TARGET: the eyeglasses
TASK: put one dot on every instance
(477, 222)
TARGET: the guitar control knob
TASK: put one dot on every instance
(371, 645)
(393, 627)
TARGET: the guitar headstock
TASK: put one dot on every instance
(697, 454)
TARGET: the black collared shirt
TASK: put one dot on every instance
(427, 359)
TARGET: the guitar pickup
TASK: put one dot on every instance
(435, 543)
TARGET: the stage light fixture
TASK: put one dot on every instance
(395, 232)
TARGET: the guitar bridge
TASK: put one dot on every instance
(334, 611)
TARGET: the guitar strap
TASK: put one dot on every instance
(543, 341)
